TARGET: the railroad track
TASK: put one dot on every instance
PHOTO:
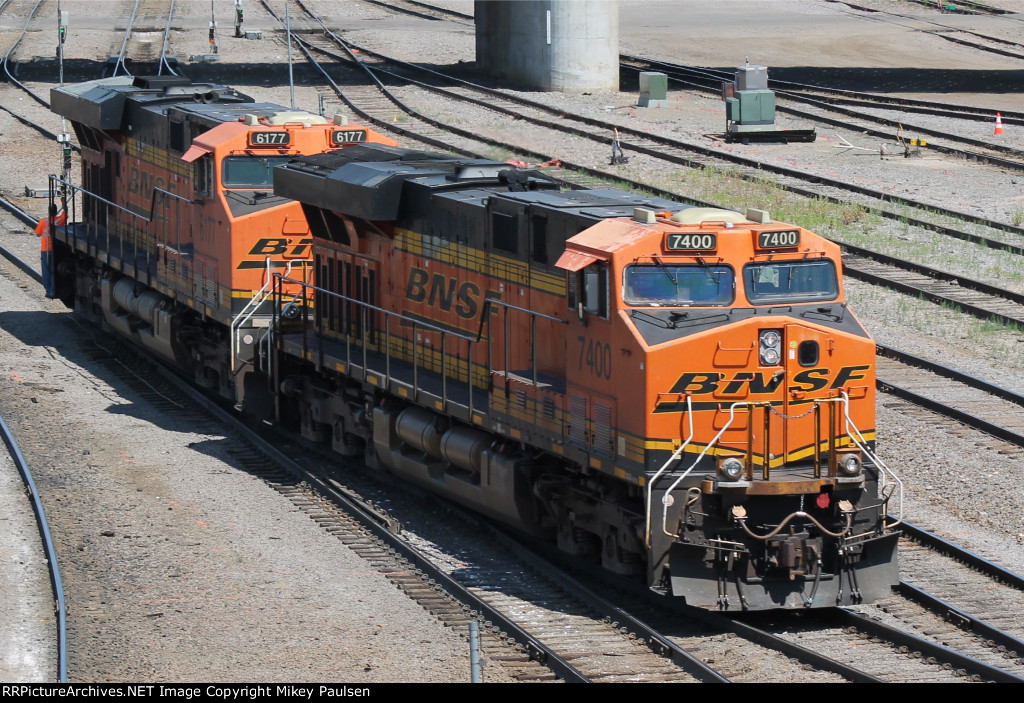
(888, 651)
(604, 630)
(140, 39)
(960, 398)
(819, 110)
(50, 557)
(930, 284)
(541, 624)
(424, 10)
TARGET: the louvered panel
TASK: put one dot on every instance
(578, 419)
(602, 428)
(204, 284)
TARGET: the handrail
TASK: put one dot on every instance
(372, 308)
(664, 468)
(311, 291)
(120, 215)
(861, 443)
(147, 218)
(668, 493)
(250, 308)
(850, 430)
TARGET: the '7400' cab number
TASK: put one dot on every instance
(782, 239)
(690, 241)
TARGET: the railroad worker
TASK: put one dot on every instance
(44, 230)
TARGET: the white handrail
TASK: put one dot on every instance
(664, 468)
(850, 430)
(668, 493)
(884, 470)
(254, 303)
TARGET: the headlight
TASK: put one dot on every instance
(849, 464)
(771, 347)
(731, 468)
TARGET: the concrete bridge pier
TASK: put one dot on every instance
(560, 45)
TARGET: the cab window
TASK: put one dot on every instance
(791, 281)
(677, 285)
(588, 290)
(203, 175)
(250, 171)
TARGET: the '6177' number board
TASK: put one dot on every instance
(348, 136)
(269, 138)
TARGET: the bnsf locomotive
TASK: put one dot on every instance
(679, 393)
(175, 231)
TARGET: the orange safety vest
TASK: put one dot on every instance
(43, 229)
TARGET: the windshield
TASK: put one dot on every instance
(677, 285)
(791, 281)
(250, 171)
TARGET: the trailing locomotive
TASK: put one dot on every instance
(679, 393)
(175, 229)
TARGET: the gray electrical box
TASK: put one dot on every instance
(752, 78)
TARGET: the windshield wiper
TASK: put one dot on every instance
(664, 268)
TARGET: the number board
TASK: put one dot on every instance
(690, 241)
(269, 138)
(348, 136)
(785, 239)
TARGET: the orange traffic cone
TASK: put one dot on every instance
(999, 123)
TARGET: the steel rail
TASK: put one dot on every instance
(950, 232)
(960, 618)
(962, 153)
(963, 282)
(910, 289)
(937, 274)
(844, 95)
(443, 10)
(944, 409)
(383, 530)
(977, 311)
(950, 373)
(7, 57)
(530, 550)
(119, 64)
(709, 618)
(10, 77)
(48, 547)
(850, 618)
(973, 560)
(163, 47)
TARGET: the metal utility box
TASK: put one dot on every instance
(750, 110)
(653, 89)
(752, 78)
(752, 107)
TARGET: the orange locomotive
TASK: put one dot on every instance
(176, 228)
(678, 392)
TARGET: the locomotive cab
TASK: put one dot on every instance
(752, 409)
